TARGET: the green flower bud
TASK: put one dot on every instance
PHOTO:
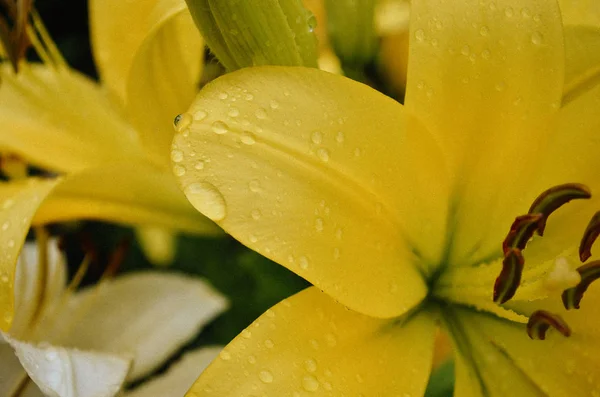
(245, 33)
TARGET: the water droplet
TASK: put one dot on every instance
(256, 214)
(310, 383)
(330, 340)
(327, 386)
(4, 278)
(339, 137)
(537, 18)
(311, 22)
(261, 113)
(5, 226)
(323, 155)
(319, 224)
(484, 31)
(225, 355)
(252, 359)
(207, 199)
(200, 115)
(265, 376)
(501, 86)
(509, 12)
(233, 112)
(359, 378)
(420, 35)
(303, 262)
(357, 152)
(11, 243)
(176, 155)
(7, 204)
(220, 127)
(316, 137)
(310, 365)
(537, 38)
(269, 344)
(274, 104)
(525, 13)
(253, 238)
(182, 121)
(486, 54)
(336, 253)
(199, 165)
(435, 42)
(314, 344)
(178, 170)
(466, 50)
(339, 234)
(254, 186)
(246, 334)
(248, 138)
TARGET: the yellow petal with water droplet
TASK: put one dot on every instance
(558, 366)
(118, 30)
(331, 169)
(61, 120)
(311, 344)
(18, 203)
(132, 193)
(164, 77)
(486, 78)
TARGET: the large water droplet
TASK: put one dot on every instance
(182, 121)
(310, 383)
(178, 170)
(316, 137)
(220, 127)
(248, 138)
(207, 199)
(176, 155)
(265, 376)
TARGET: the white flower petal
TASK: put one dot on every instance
(180, 377)
(149, 315)
(63, 372)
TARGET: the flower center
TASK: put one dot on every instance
(521, 231)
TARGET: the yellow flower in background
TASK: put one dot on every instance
(397, 214)
(108, 144)
(88, 343)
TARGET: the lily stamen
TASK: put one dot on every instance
(589, 273)
(589, 237)
(523, 228)
(554, 198)
(510, 277)
(540, 321)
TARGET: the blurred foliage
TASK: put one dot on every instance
(441, 383)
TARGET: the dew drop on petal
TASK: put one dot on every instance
(310, 383)
(316, 137)
(323, 155)
(303, 262)
(233, 112)
(200, 115)
(207, 199)
(220, 127)
(248, 138)
(537, 38)
(182, 121)
(261, 113)
(265, 376)
(420, 35)
(176, 155)
(178, 170)
(310, 365)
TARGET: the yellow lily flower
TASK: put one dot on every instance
(90, 342)
(108, 144)
(397, 213)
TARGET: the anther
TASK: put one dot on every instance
(589, 273)
(589, 237)
(555, 197)
(510, 277)
(540, 321)
(521, 231)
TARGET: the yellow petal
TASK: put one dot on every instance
(482, 367)
(18, 203)
(162, 312)
(310, 343)
(582, 45)
(133, 193)
(61, 120)
(179, 377)
(159, 244)
(317, 172)
(559, 366)
(164, 77)
(580, 12)
(118, 29)
(485, 78)
(65, 372)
